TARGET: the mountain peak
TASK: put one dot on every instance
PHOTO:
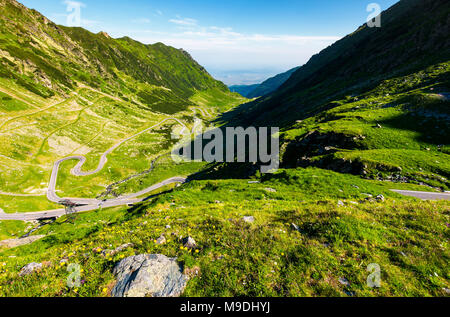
(104, 34)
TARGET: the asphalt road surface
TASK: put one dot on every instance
(424, 195)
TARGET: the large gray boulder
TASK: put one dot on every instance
(149, 275)
(30, 268)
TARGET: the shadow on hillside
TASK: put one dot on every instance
(431, 123)
(226, 171)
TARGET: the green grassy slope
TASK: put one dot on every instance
(413, 37)
(397, 131)
(334, 241)
(319, 221)
(66, 91)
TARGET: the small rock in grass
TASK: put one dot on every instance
(446, 290)
(121, 248)
(168, 227)
(344, 281)
(270, 190)
(30, 268)
(192, 272)
(380, 198)
(341, 203)
(249, 219)
(161, 240)
(295, 227)
(253, 182)
(189, 243)
(218, 202)
(349, 293)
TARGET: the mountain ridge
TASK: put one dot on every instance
(411, 29)
(95, 59)
(266, 87)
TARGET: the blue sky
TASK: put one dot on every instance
(238, 41)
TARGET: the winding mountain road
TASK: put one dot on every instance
(88, 204)
(423, 195)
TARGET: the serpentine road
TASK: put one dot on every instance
(91, 204)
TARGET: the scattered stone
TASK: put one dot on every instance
(253, 182)
(189, 243)
(350, 293)
(168, 227)
(161, 240)
(446, 290)
(218, 202)
(378, 126)
(121, 248)
(295, 227)
(12, 243)
(380, 198)
(341, 203)
(249, 219)
(149, 275)
(270, 190)
(344, 281)
(192, 272)
(354, 203)
(30, 268)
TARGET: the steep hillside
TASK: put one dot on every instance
(413, 36)
(68, 92)
(271, 84)
(374, 104)
(319, 226)
(52, 60)
(265, 88)
(243, 90)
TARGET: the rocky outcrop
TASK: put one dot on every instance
(30, 268)
(149, 275)
(296, 153)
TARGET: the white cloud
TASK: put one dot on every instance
(184, 21)
(141, 21)
(237, 57)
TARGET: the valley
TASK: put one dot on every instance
(89, 121)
